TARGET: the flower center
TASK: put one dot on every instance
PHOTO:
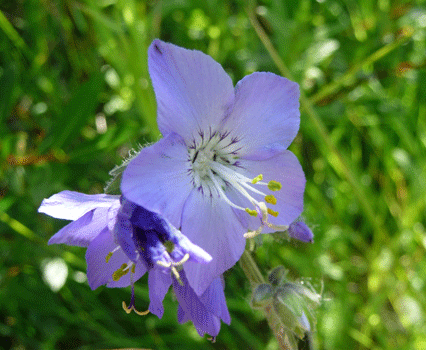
(207, 154)
(215, 167)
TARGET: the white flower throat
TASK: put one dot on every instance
(214, 166)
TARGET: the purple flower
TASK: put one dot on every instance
(124, 241)
(204, 311)
(222, 172)
(299, 230)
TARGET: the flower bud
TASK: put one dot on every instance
(277, 276)
(299, 230)
(261, 296)
(290, 307)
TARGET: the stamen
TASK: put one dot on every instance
(236, 179)
(109, 255)
(273, 213)
(274, 185)
(270, 199)
(216, 169)
(229, 173)
(245, 193)
(264, 211)
(172, 263)
(251, 212)
(221, 193)
(257, 179)
(239, 187)
(246, 185)
(164, 264)
(177, 276)
(123, 270)
(252, 234)
(183, 260)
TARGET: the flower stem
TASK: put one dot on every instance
(251, 270)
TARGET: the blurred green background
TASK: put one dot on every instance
(75, 97)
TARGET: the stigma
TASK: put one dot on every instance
(131, 307)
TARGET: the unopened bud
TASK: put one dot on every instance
(277, 276)
(299, 230)
(262, 295)
(290, 307)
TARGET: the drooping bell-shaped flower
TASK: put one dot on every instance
(204, 311)
(124, 241)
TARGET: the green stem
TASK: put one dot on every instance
(20, 228)
(13, 35)
(337, 84)
(251, 270)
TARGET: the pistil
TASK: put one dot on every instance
(131, 306)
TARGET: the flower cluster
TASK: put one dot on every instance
(293, 303)
(220, 174)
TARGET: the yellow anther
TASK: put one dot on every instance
(108, 257)
(257, 179)
(133, 268)
(273, 213)
(129, 310)
(274, 185)
(252, 212)
(123, 270)
(270, 199)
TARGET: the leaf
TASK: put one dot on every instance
(75, 114)
(7, 83)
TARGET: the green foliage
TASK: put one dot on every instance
(75, 97)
